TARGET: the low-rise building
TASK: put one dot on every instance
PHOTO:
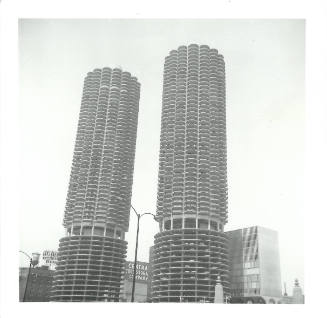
(141, 282)
(37, 285)
(150, 272)
(298, 297)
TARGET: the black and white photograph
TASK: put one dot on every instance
(160, 160)
(181, 141)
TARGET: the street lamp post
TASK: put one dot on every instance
(34, 260)
(136, 247)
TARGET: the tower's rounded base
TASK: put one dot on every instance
(89, 268)
(187, 263)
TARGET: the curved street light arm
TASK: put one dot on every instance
(134, 211)
(140, 215)
(30, 258)
(149, 214)
(136, 247)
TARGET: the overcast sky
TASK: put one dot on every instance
(265, 120)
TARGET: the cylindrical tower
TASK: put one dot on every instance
(190, 251)
(91, 256)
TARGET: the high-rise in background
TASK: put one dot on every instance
(190, 251)
(91, 256)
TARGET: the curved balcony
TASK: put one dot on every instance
(89, 269)
(187, 262)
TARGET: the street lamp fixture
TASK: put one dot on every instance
(34, 260)
(136, 245)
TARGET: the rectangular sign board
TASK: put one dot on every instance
(141, 271)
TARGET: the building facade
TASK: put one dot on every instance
(141, 282)
(298, 297)
(49, 258)
(91, 257)
(190, 251)
(254, 265)
(38, 287)
(150, 273)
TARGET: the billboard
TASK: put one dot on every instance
(50, 258)
(141, 271)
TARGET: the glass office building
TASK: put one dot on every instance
(254, 263)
